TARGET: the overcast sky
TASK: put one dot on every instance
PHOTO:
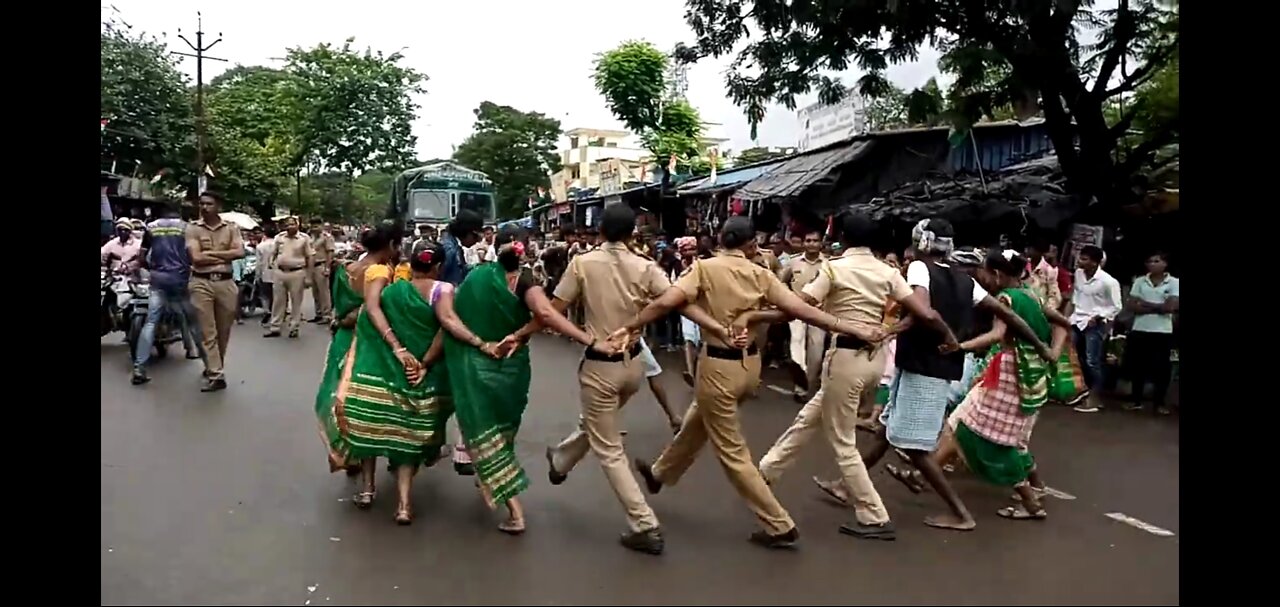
(534, 56)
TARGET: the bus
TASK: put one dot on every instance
(434, 193)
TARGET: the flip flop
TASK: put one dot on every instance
(1018, 513)
(511, 528)
(830, 492)
(904, 477)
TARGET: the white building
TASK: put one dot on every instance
(608, 159)
(825, 124)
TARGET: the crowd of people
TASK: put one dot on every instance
(944, 355)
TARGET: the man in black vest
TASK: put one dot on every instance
(926, 365)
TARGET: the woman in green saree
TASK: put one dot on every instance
(495, 301)
(383, 247)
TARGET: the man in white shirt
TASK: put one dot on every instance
(1096, 299)
(1154, 300)
(266, 251)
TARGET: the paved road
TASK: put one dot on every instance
(226, 499)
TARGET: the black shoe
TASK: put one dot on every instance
(139, 378)
(651, 482)
(467, 469)
(316, 320)
(213, 385)
(271, 334)
(293, 334)
(554, 476)
(648, 541)
(193, 356)
(885, 531)
(782, 540)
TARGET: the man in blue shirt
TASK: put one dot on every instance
(164, 253)
(462, 232)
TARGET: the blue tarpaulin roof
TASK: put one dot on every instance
(729, 178)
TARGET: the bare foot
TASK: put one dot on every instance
(950, 521)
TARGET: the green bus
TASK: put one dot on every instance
(434, 193)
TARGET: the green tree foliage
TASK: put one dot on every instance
(252, 135)
(888, 111)
(633, 80)
(353, 108)
(1003, 54)
(754, 155)
(516, 149)
(151, 125)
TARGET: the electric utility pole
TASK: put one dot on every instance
(200, 56)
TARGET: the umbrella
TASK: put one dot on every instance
(240, 219)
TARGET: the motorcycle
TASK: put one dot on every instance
(134, 302)
(114, 296)
(250, 298)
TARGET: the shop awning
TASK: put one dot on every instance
(793, 176)
(728, 179)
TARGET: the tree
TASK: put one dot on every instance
(756, 154)
(150, 122)
(888, 111)
(1002, 53)
(253, 136)
(516, 149)
(633, 80)
(354, 109)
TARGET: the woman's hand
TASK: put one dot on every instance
(416, 376)
(407, 360)
(490, 349)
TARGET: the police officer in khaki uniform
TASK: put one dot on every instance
(855, 288)
(291, 260)
(613, 284)
(807, 342)
(214, 244)
(322, 248)
(726, 287)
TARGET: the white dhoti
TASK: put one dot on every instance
(806, 348)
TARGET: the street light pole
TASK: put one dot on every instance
(199, 49)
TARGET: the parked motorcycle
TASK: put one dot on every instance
(250, 297)
(112, 315)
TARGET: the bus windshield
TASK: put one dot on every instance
(481, 203)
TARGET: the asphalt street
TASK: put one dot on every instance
(226, 499)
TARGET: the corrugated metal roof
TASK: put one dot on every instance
(794, 175)
(728, 179)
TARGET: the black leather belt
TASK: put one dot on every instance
(212, 275)
(611, 358)
(849, 342)
(731, 353)
(292, 269)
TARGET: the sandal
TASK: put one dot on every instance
(363, 500)
(512, 526)
(1040, 493)
(1018, 513)
(905, 477)
(403, 517)
(830, 490)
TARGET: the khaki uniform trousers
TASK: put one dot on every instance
(320, 293)
(289, 287)
(845, 378)
(722, 385)
(605, 387)
(215, 302)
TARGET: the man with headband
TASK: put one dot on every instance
(927, 364)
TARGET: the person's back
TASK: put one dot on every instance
(167, 255)
(730, 285)
(952, 294)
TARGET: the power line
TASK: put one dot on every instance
(199, 55)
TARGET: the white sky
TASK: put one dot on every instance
(534, 56)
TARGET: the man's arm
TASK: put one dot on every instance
(235, 252)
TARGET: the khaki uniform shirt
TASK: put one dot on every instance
(613, 283)
(856, 287)
(322, 249)
(203, 238)
(728, 285)
(803, 271)
(292, 252)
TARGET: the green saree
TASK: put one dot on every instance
(379, 412)
(490, 395)
(345, 300)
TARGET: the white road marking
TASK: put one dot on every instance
(1062, 495)
(779, 390)
(1133, 522)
